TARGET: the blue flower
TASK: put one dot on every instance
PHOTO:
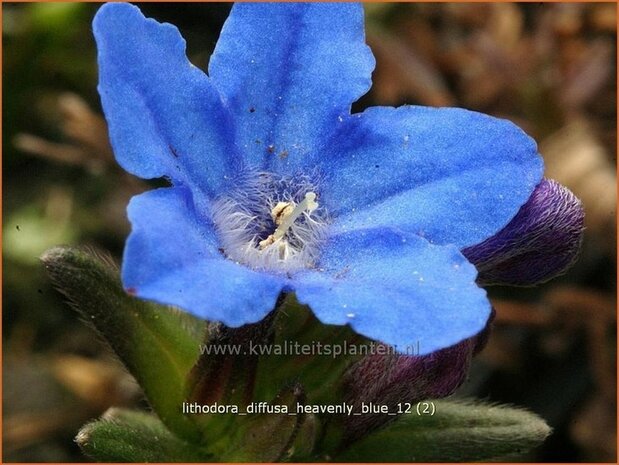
(277, 187)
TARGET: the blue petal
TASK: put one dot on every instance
(171, 257)
(450, 175)
(287, 72)
(396, 288)
(165, 117)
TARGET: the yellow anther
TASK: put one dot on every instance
(284, 215)
(281, 211)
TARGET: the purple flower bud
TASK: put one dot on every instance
(399, 379)
(539, 243)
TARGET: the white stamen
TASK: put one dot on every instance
(281, 211)
(287, 217)
(309, 203)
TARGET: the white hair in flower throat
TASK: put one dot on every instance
(271, 222)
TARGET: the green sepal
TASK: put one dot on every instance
(459, 431)
(267, 437)
(306, 439)
(295, 324)
(132, 436)
(157, 344)
(220, 377)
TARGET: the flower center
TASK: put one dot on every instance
(284, 214)
(271, 222)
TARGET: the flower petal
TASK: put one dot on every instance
(164, 116)
(450, 175)
(396, 288)
(171, 257)
(539, 243)
(288, 71)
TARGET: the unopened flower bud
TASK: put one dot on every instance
(389, 380)
(539, 243)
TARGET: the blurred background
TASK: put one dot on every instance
(551, 68)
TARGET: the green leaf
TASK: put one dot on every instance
(132, 436)
(157, 344)
(459, 431)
